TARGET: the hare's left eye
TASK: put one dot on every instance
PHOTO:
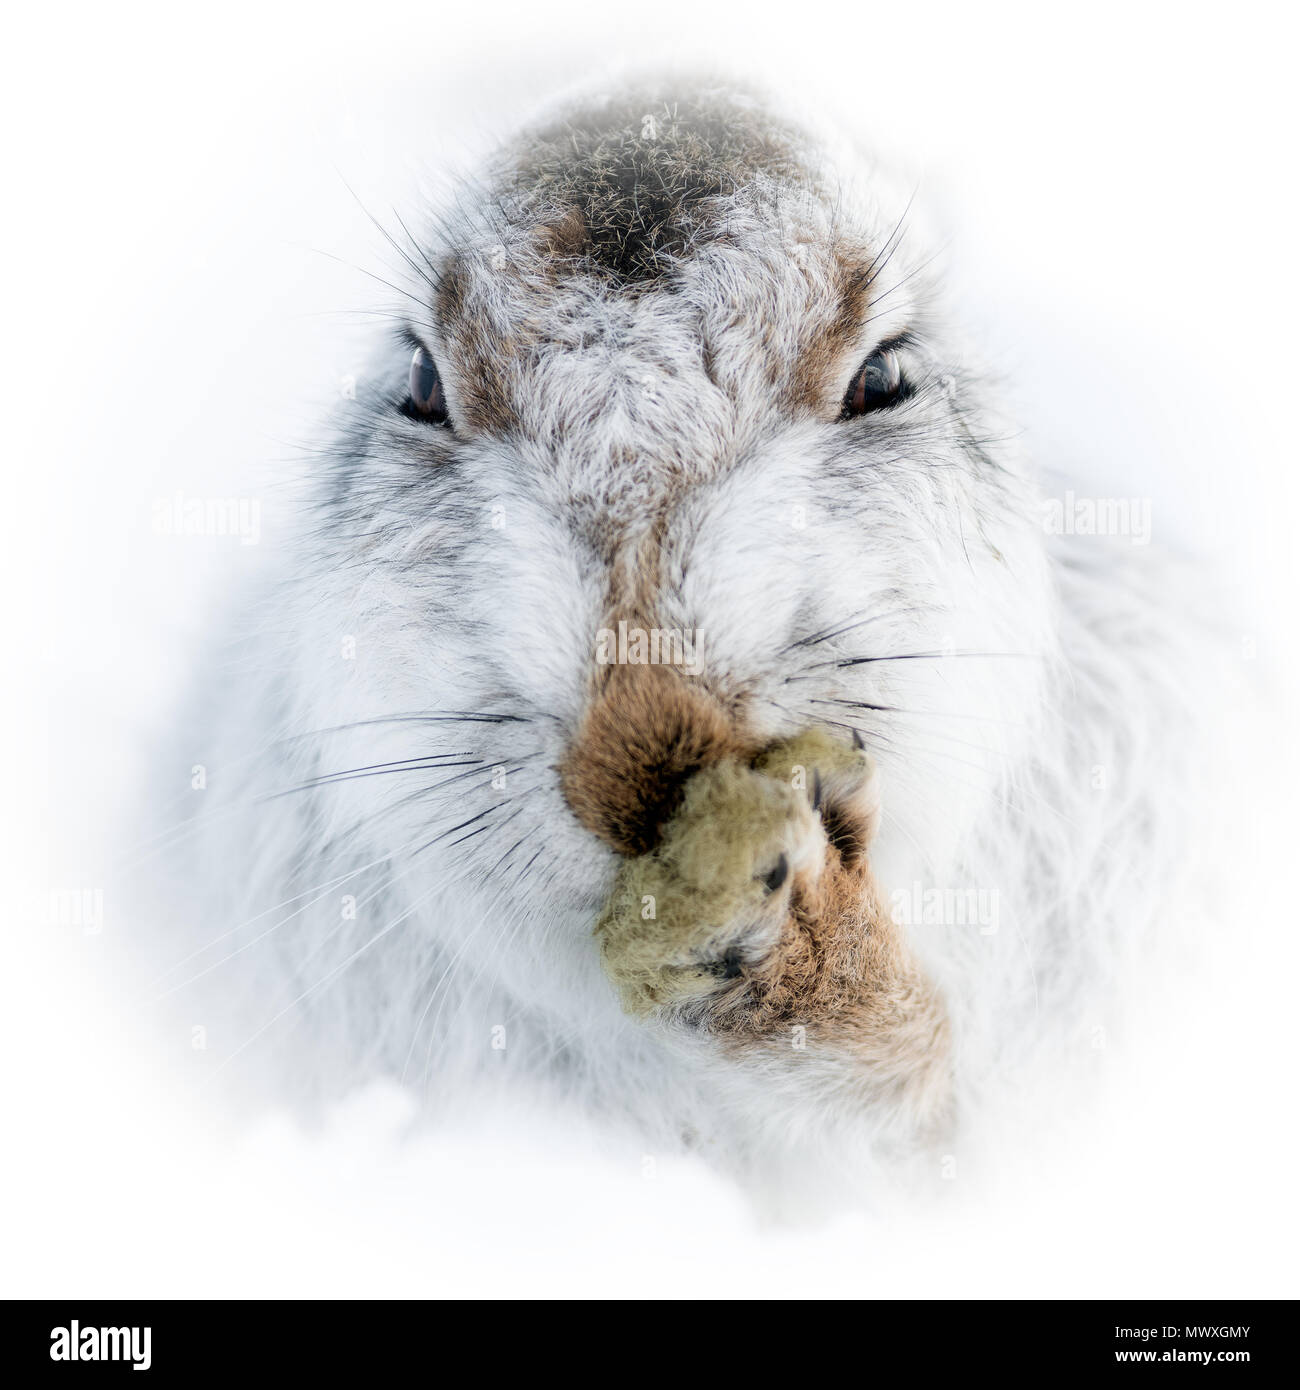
(878, 383)
(425, 399)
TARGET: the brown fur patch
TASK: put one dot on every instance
(815, 384)
(843, 971)
(646, 731)
(563, 239)
(646, 728)
(482, 349)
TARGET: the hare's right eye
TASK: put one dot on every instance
(878, 383)
(425, 399)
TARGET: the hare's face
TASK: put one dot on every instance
(672, 457)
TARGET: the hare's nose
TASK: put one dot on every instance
(647, 730)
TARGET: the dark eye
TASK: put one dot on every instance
(879, 383)
(425, 398)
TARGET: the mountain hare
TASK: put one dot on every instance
(677, 701)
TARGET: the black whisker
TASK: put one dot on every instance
(379, 279)
(862, 704)
(389, 237)
(333, 780)
(893, 241)
(826, 634)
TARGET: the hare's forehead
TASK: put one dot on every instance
(749, 259)
(633, 186)
(655, 199)
(770, 278)
(770, 297)
(664, 235)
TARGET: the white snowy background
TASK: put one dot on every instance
(179, 300)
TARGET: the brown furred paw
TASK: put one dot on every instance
(756, 918)
(708, 906)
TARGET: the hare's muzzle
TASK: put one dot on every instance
(646, 731)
